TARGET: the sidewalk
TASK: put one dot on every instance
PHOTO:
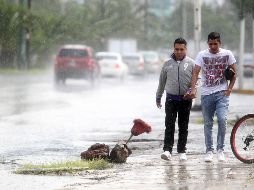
(145, 169)
(248, 86)
(148, 171)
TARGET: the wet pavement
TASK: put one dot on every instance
(44, 123)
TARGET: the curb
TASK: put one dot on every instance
(243, 91)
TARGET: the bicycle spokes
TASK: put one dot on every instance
(247, 141)
(242, 139)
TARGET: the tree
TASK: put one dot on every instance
(8, 28)
(53, 23)
(222, 19)
(110, 19)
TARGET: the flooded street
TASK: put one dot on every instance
(38, 118)
(41, 123)
(49, 114)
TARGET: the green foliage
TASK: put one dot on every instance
(244, 7)
(109, 19)
(222, 19)
(61, 168)
(99, 164)
(227, 25)
(52, 23)
(8, 25)
(92, 24)
(175, 27)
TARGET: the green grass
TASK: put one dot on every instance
(21, 72)
(199, 121)
(61, 168)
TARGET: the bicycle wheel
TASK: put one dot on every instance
(242, 139)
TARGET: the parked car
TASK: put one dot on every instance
(152, 61)
(135, 62)
(75, 61)
(111, 64)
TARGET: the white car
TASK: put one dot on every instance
(152, 61)
(135, 62)
(111, 64)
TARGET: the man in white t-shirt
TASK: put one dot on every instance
(215, 91)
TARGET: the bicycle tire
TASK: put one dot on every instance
(238, 139)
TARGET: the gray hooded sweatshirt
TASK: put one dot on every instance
(175, 77)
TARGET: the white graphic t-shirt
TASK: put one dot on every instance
(213, 67)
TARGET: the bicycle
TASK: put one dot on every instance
(242, 139)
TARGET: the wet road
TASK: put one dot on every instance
(35, 115)
(41, 122)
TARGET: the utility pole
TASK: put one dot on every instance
(197, 24)
(23, 37)
(253, 42)
(184, 20)
(241, 47)
(197, 40)
(28, 37)
(102, 9)
(145, 24)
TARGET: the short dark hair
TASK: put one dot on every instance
(214, 36)
(180, 41)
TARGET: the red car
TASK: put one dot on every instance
(75, 61)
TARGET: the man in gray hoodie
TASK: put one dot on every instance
(175, 79)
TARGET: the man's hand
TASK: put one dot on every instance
(158, 104)
(190, 95)
(187, 96)
(227, 92)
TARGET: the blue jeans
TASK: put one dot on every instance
(215, 103)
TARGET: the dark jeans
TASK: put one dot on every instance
(182, 109)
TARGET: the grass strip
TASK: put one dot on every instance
(61, 168)
(244, 91)
(22, 72)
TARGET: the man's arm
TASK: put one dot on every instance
(194, 81)
(161, 87)
(232, 82)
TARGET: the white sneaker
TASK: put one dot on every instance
(209, 156)
(182, 156)
(166, 155)
(220, 156)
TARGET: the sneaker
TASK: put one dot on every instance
(209, 156)
(166, 155)
(182, 156)
(220, 156)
